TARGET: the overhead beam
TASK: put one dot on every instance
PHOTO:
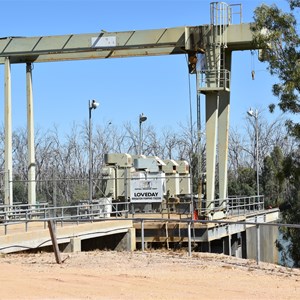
(99, 45)
(177, 40)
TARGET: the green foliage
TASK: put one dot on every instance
(294, 3)
(275, 33)
(291, 206)
(80, 192)
(19, 191)
(242, 183)
(273, 179)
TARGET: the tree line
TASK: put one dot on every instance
(62, 162)
(276, 32)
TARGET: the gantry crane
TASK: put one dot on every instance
(214, 42)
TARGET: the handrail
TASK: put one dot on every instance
(19, 214)
(105, 208)
(189, 223)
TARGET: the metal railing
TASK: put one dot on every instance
(100, 211)
(211, 80)
(245, 205)
(234, 206)
(84, 212)
(104, 208)
(190, 225)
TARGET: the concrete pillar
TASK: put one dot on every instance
(30, 138)
(244, 244)
(267, 239)
(227, 245)
(74, 245)
(128, 242)
(212, 104)
(8, 193)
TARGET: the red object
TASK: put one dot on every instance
(195, 216)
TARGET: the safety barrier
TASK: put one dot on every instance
(191, 223)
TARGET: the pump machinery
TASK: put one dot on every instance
(147, 182)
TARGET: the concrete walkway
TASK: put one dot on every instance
(71, 234)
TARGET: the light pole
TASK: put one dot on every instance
(254, 114)
(142, 119)
(93, 104)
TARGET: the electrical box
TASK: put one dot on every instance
(172, 184)
(123, 182)
(159, 162)
(172, 177)
(184, 177)
(148, 164)
(109, 182)
(122, 160)
(116, 182)
(170, 166)
(183, 167)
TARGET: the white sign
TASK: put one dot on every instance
(147, 190)
(104, 41)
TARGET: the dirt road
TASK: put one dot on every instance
(148, 275)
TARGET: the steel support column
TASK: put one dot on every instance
(30, 138)
(8, 193)
(223, 130)
(212, 104)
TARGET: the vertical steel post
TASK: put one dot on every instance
(212, 104)
(90, 155)
(223, 136)
(189, 239)
(92, 105)
(30, 138)
(199, 157)
(140, 137)
(257, 162)
(257, 244)
(142, 118)
(143, 235)
(8, 193)
(254, 114)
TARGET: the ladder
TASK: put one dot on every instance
(213, 74)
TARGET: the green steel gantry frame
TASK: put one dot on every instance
(215, 41)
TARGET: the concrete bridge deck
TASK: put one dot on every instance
(230, 234)
(70, 236)
(156, 231)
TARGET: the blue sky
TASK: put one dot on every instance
(156, 86)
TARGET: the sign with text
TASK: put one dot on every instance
(147, 190)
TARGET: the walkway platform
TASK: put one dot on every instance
(162, 231)
(69, 236)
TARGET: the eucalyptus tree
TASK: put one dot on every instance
(276, 32)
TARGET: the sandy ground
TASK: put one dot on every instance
(143, 275)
